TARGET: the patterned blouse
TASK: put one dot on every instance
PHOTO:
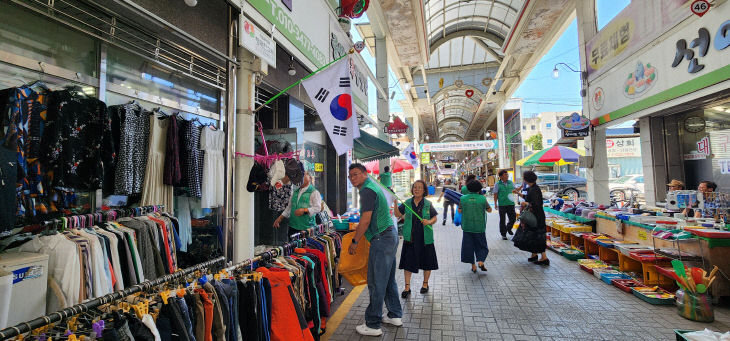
(279, 197)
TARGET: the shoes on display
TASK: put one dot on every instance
(363, 329)
(396, 321)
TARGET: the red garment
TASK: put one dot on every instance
(208, 306)
(323, 266)
(287, 324)
(168, 254)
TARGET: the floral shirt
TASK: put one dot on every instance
(78, 142)
(279, 197)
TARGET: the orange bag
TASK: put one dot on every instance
(354, 268)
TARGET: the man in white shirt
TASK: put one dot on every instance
(305, 203)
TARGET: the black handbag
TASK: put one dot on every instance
(527, 236)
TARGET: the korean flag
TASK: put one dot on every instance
(410, 154)
(331, 95)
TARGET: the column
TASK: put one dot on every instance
(503, 162)
(381, 73)
(243, 210)
(597, 175)
(416, 137)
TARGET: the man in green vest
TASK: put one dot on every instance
(502, 191)
(386, 178)
(469, 178)
(304, 204)
(376, 224)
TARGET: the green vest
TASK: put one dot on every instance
(382, 212)
(504, 190)
(304, 221)
(386, 179)
(464, 190)
(425, 214)
(473, 213)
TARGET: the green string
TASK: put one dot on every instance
(301, 80)
(399, 199)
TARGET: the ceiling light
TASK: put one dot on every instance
(292, 71)
(191, 3)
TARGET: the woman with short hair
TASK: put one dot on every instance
(473, 208)
(418, 252)
(535, 231)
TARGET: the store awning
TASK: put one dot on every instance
(369, 147)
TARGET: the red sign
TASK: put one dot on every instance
(395, 127)
(609, 143)
(700, 7)
(469, 93)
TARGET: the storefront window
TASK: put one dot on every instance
(316, 158)
(31, 36)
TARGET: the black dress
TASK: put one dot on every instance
(416, 255)
(534, 198)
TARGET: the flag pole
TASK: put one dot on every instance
(399, 199)
(351, 51)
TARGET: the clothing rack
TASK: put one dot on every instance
(90, 219)
(63, 314)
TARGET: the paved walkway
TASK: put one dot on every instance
(516, 300)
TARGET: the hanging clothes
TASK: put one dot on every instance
(131, 130)
(194, 156)
(212, 143)
(287, 318)
(173, 171)
(154, 191)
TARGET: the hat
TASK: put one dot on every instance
(676, 183)
(294, 170)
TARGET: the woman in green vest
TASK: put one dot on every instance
(473, 208)
(418, 252)
(386, 178)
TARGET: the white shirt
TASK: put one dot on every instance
(63, 264)
(315, 202)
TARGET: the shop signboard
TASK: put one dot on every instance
(574, 125)
(633, 28)
(623, 147)
(681, 62)
(425, 158)
(318, 167)
(340, 44)
(458, 146)
(303, 25)
(257, 41)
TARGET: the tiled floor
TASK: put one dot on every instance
(516, 300)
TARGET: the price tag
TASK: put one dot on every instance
(643, 235)
(700, 7)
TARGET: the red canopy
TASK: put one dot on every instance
(396, 165)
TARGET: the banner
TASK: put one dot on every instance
(623, 147)
(331, 95)
(458, 146)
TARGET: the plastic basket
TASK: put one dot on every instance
(625, 284)
(572, 254)
(651, 297)
(341, 226)
(609, 277)
(354, 268)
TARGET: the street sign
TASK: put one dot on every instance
(700, 7)
(425, 158)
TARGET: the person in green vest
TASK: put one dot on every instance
(386, 178)
(376, 225)
(473, 208)
(418, 252)
(304, 204)
(503, 198)
(465, 190)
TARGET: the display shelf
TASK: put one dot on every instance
(568, 216)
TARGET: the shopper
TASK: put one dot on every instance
(418, 252)
(448, 204)
(386, 179)
(506, 207)
(474, 224)
(279, 200)
(376, 225)
(305, 203)
(470, 177)
(536, 234)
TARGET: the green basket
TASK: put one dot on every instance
(572, 254)
(341, 226)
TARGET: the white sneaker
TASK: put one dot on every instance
(396, 321)
(363, 329)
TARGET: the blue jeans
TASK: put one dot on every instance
(381, 278)
(474, 245)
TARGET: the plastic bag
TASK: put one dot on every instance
(457, 218)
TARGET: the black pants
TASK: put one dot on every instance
(447, 204)
(509, 211)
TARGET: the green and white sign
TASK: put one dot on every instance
(306, 26)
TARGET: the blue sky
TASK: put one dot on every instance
(539, 90)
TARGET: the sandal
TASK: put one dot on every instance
(424, 289)
(473, 268)
(406, 293)
(482, 267)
